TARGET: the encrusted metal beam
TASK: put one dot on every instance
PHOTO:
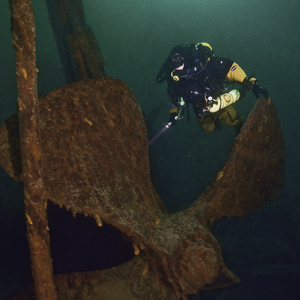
(79, 52)
(23, 32)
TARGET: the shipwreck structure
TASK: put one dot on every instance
(74, 148)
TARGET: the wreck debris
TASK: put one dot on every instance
(254, 170)
(79, 52)
(23, 32)
(94, 151)
(102, 170)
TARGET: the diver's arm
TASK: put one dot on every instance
(236, 73)
(162, 74)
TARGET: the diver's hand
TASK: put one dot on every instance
(161, 77)
(172, 118)
(250, 84)
(256, 89)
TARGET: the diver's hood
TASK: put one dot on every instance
(178, 56)
(191, 56)
(195, 58)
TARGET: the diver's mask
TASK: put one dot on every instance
(176, 61)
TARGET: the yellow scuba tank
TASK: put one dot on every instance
(224, 100)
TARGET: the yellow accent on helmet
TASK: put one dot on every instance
(206, 45)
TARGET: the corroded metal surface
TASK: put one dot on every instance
(23, 33)
(10, 153)
(254, 172)
(94, 145)
(79, 52)
(95, 157)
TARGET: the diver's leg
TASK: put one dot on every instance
(207, 123)
(228, 116)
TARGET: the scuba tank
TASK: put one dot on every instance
(214, 105)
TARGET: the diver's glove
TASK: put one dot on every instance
(173, 118)
(162, 74)
(259, 90)
(250, 84)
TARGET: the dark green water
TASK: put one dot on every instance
(263, 248)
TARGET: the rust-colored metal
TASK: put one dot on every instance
(80, 54)
(254, 170)
(23, 31)
(95, 154)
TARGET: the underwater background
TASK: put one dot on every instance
(262, 248)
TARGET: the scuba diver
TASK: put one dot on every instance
(195, 75)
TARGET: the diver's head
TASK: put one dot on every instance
(178, 57)
(176, 61)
